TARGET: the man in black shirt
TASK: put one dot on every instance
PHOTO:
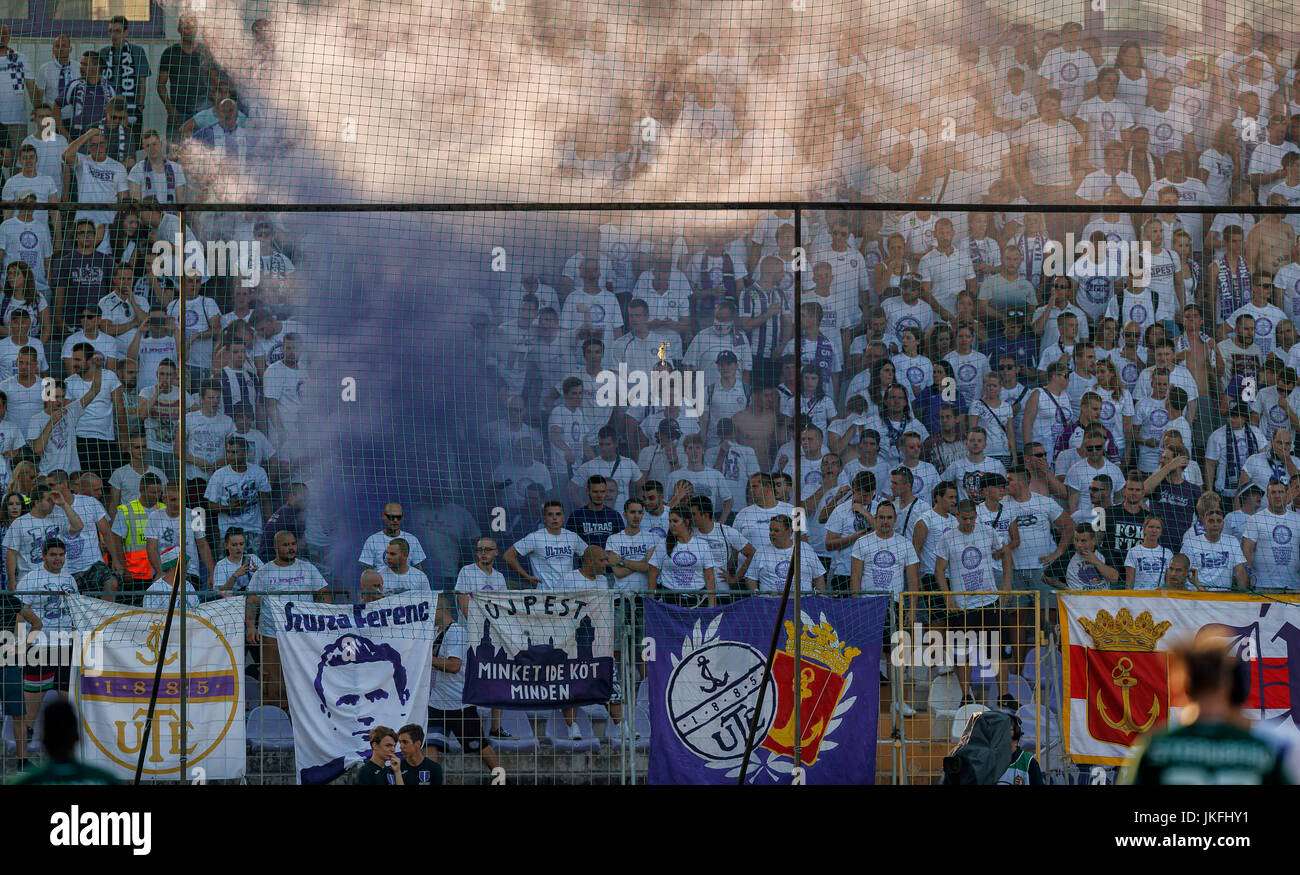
(383, 768)
(183, 75)
(126, 67)
(1123, 524)
(595, 522)
(81, 276)
(417, 769)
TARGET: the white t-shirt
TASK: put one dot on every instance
(707, 481)
(1214, 563)
(1049, 151)
(552, 555)
(1148, 564)
(412, 581)
(1080, 478)
(205, 437)
(61, 445)
(97, 420)
(155, 182)
(1083, 575)
(472, 579)
(993, 418)
(1216, 450)
(83, 548)
(1276, 537)
(683, 571)
(52, 608)
(771, 564)
(1261, 468)
(447, 689)
(158, 597)
(227, 485)
(199, 310)
(1033, 517)
(29, 242)
(843, 521)
(13, 95)
(722, 540)
(885, 562)
(970, 564)
(300, 579)
(969, 476)
(99, 182)
(9, 357)
(575, 579)
(166, 531)
(947, 274)
(372, 551)
(622, 470)
(27, 534)
(752, 521)
(224, 568)
(936, 527)
(636, 548)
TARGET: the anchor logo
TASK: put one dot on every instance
(715, 684)
(154, 644)
(1122, 676)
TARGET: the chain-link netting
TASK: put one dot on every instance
(875, 335)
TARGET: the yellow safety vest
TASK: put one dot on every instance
(137, 558)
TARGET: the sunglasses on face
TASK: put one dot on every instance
(392, 516)
(1042, 455)
(1092, 447)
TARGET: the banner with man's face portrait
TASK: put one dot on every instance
(348, 669)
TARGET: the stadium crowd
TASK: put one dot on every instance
(972, 417)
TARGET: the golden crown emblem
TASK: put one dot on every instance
(820, 643)
(1122, 632)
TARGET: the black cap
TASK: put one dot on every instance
(1239, 408)
(726, 356)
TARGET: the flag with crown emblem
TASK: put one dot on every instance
(1115, 672)
(705, 678)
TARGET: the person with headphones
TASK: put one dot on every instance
(1024, 769)
(1215, 744)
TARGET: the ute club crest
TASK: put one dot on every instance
(704, 694)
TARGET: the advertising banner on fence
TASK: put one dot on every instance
(1116, 668)
(114, 702)
(537, 649)
(348, 668)
(705, 675)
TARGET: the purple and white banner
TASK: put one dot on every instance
(538, 649)
(113, 701)
(349, 668)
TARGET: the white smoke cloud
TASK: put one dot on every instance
(475, 101)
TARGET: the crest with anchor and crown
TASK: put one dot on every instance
(712, 696)
(1128, 678)
(823, 678)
